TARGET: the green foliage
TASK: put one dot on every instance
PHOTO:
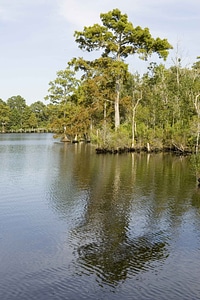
(4, 112)
(118, 39)
(195, 164)
(40, 112)
(110, 105)
(61, 88)
(17, 102)
(113, 139)
(117, 36)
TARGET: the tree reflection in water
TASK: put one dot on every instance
(103, 245)
(114, 263)
(123, 210)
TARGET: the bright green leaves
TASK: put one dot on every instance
(100, 95)
(17, 102)
(161, 48)
(61, 93)
(115, 21)
(118, 37)
(92, 38)
(61, 88)
(4, 113)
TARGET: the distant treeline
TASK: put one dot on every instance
(17, 116)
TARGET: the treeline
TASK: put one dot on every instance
(102, 101)
(17, 116)
(159, 110)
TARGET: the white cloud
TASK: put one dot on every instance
(80, 12)
(77, 13)
(15, 10)
(83, 13)
(7, 14)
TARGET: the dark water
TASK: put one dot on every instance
(75, 225)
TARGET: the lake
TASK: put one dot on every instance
(77, 225)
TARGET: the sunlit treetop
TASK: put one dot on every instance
(119, 38)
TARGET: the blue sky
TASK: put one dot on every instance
(37, 36)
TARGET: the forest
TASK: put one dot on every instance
(101, 101)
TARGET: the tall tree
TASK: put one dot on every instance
(40, 111)
(17, 102)
(4, 114)
(17, 105)
(118, 38)
(61, 90)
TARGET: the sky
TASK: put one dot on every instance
(37, 37)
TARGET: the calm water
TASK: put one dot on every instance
(75, 225)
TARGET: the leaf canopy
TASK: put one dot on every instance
(119, 38)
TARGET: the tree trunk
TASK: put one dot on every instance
(104, 129)
(117, 116)
(197, 107)
(134, 107)
(133, 128)
(197, 139)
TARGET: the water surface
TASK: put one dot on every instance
(76, 225)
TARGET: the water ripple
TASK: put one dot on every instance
(120, 227)
(113, 263)
(52, 283)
